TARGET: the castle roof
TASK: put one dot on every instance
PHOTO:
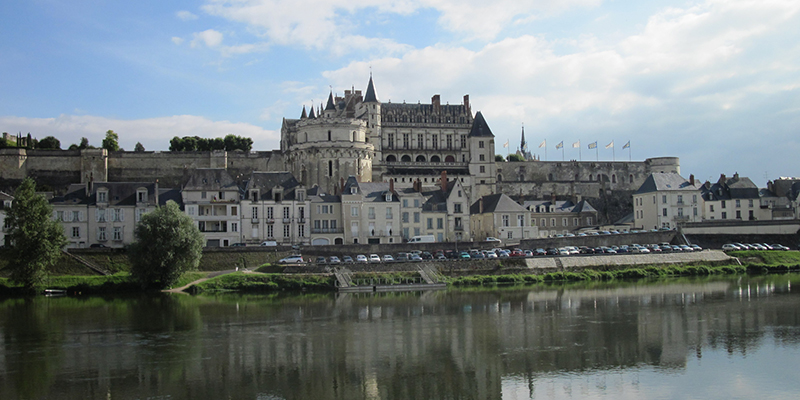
(330, 105)
(370, 97)
(480, 127)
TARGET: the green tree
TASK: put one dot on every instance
(49, 143)
(515, 158)
(167, 244)
(111, 142)
(36, 238)
(139, 147)
(499, 158)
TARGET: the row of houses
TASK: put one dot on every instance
(667, 200)
(275, 207)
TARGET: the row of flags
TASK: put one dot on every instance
(577, 144)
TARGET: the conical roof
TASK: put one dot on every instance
(480, 127)
(330, 105)
(370, 97)
(303, 115)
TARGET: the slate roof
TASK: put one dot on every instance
(496, 203)
(479, 127)
(561, 206)
(265, 182)
(370, 97)
(119, 194)
(730, 188)
(210, 179)
(662, 181)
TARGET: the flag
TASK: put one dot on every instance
(560, 145)
(505, 144)
(576, 144)
(627, 145)
(610, 145)
(544, 143)
(593, 145)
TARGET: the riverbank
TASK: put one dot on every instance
(494, 272)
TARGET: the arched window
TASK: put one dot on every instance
(329, 136)
(449, 159)
(499, 178)
(435, 159)
(613, 178)
(630, 178)
(576, 177)
(391, 158)
(420, 158)
(590, 177)
(549, 177)
(354, 136)
(406, 158)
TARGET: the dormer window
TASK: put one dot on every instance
(141, 196)
(353, 190)
(102, 196)
(388, 197)
(254, 195)
(301, 195)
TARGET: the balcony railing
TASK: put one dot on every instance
(255, 221)
(328, 230)
(270, 221)
(287, 220)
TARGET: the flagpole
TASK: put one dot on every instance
(562, 152)
(580, 157)
(597, 152)
(629, 150)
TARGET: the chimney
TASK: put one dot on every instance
(437, 103)
(156, 193)
(691, 179)
(553, 199)
(391, 185)
(466, 103)
(480, 205)
(90, 185)
(443, 181)
(722, 178)
(341, 185)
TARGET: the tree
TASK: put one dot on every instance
(36, 238)
(167, 244)
(49, 143)
(499, 158)
(111, 142)
(139, 147)
(515, 158)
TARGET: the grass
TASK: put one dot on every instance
(243, 282)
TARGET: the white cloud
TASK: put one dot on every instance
(153, 133)
(177, 40)
(209, 37)
(185, 15)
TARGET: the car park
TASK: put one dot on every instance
(374, 258)
(362, 259)
(293, 259)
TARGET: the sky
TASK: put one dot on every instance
(714, 82)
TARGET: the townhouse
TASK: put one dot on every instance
(666, 199)
(499, 216)
(553, 217)
(211, 198)
(275, 208)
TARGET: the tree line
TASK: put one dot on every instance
(196, 143)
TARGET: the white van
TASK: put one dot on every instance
(422, 239)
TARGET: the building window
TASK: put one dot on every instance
(463, 141)
(664, 212)
(435, 141)
(285, 212)
(390, 140)
(139, 213)
(353, 211)
(270, 213)
(100, 215)
(255, 212)
(722, 204)
(118, 233)
(270, 231)
(738, 203)
(738, 214)
(750, 214)
(457, 221)
(664, 199)
(505, 220)
(480, 144)
(102, 197)
(576, 221)
(680, 199)
(405, 140)
(101, 233)
(203, 195)
(449, 139)
(430, 223)
(544, 222)
(301, 230)
(482, 157)
(287, 231)
(439, 223)
(750, 203)
(483, 169)
(234, 227)
(416, 217)
(416, 203)
(389, 214)
(76, 231)
(724, 215)
(711, 207)
(564, 222)
(420, 141)
(520, 220)
(457, 208)
(405, 217)
(234, 211)
(371, 213)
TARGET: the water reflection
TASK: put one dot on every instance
(535, 342)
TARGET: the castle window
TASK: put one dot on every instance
(449, 142)
(390, 141)
(329, 136)
(405, 140)
(630, 178)
(354, 136)
(420, 141)
(482, 157)
(406, 158)
(420, 158)
(435, 159)
(435, 141)
(330, 168)
(480, 144)
(463, 141)
(613, 178)
(391, 158)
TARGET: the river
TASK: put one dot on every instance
(703, 338)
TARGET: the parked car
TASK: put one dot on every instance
(321, 260)
(374, 258)
(269, 243)
(293, 259)
(730, 247)
(347, 260)
(97, 246)
(696, 247)
(388, 258)
(780, 247)
(240, 244)
(464, 255)
(540, 252)
(426, 255)
(491, 254)
(493, 239)
(414, 257)
(361, 259)
(334, 260)
(552, 251)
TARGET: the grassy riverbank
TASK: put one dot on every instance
(265, 280)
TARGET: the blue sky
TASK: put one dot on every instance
(716, 82)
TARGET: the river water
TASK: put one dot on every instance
(720, 338)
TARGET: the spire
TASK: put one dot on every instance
(311, 114)
(330, 105)
(303, 115)
(370, 97)
(522, 145)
